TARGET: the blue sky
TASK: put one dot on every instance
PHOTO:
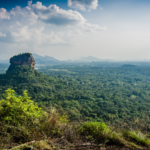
(69, 29)
(9, 4)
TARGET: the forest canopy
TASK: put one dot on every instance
(85, 91)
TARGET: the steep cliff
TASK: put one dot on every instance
(22, 59)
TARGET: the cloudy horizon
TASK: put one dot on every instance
(106, 29)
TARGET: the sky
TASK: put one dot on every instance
(70, 29)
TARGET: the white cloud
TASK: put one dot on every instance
(38, 25)
(4, 14)
(23, 27)
(34, 36)
(93, 27)
(29, 3)
(23, 15)
(83, 4)
(54, 15)
(2, 35)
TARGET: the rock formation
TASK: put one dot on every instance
(22, 59)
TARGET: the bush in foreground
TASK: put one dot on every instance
(23, 121)
(137, 137)
(20, 118)
(102, 134)
(18, 110)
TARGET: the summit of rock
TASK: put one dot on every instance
(22, 59)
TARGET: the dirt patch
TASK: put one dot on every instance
(98, 148)
(64, 144)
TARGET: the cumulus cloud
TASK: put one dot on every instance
(31, 25)
(83, 4)
(4, 14)
(54, 15)
(51, 15)
(23, 15)
(23, 27)
(36, 36)
(18, 33)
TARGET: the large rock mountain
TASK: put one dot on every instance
(22, 59)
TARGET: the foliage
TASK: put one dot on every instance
(54, 123)
(118, 96)
(23, 121)
(64, 118)
(101, 133)
(21, 54)
(88, 92)
(18, 109)
(95, 129)
(137, 137)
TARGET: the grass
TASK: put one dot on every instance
(41, 145)
(96, 132)
(22, 121)
(55, 125)
(137, 137)
(101, 133)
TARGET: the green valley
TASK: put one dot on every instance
(85, 91)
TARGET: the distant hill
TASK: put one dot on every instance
(129, 66)
(51, 60)
(45, 59)
(91, 58)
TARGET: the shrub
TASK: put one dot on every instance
(18, 110)
(97, 130)
(136, 136)
(100, 133)
(55, 123)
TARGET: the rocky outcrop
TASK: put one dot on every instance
(22, 59)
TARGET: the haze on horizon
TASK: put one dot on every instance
(106, 29)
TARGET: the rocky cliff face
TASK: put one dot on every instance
(22, 59)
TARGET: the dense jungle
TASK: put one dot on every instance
(75, 106)
(86, 92)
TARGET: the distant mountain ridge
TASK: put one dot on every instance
(91, 58)
(51, 60)
(48, 60)
(45, 59)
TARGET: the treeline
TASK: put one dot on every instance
(85, 92)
